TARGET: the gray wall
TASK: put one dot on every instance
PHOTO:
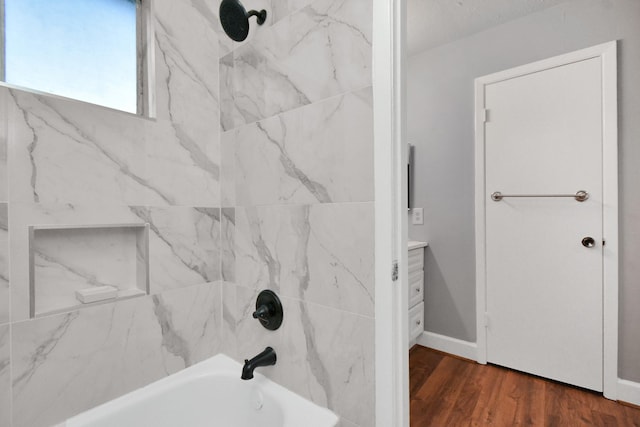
(440, 124)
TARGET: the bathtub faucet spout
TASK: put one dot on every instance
(266, 358)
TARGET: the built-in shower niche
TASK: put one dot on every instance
(91, 263)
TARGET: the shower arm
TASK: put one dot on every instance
(261, 15)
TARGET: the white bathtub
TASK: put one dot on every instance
(210, 394)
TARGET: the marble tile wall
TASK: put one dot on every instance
(66, 363)
(297, 197)
(73, 164)
(255, 172)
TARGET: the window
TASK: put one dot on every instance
(82, 49)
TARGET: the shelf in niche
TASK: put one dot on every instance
(64, 259)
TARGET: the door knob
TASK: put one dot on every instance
(588, 242)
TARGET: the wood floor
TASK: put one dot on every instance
(447, 391)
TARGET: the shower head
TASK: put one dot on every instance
(235, 19)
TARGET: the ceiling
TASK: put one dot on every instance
(432, 23)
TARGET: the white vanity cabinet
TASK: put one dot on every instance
(416, 290)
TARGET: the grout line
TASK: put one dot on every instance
(9, 268)
(10, 372)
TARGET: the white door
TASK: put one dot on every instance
(543, 136)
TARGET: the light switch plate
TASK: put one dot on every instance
(417, 216)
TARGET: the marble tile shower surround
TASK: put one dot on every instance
(66, 363)
(319, 259)
(277, 192)
(297, 197)
(71, 163)
(322, 50)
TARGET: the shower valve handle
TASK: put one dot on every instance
(263, 312)
(268, 310)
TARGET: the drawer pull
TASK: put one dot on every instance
(418, 322)
(418, 289)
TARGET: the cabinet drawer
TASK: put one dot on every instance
(416, 277)
(416, 288)
(416, 260)
(416, 320)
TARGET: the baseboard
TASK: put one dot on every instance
(466, 349)
(629, 391)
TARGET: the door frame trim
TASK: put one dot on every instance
(391, 303)
(608, 54)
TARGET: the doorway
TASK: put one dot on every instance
(546, 218)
